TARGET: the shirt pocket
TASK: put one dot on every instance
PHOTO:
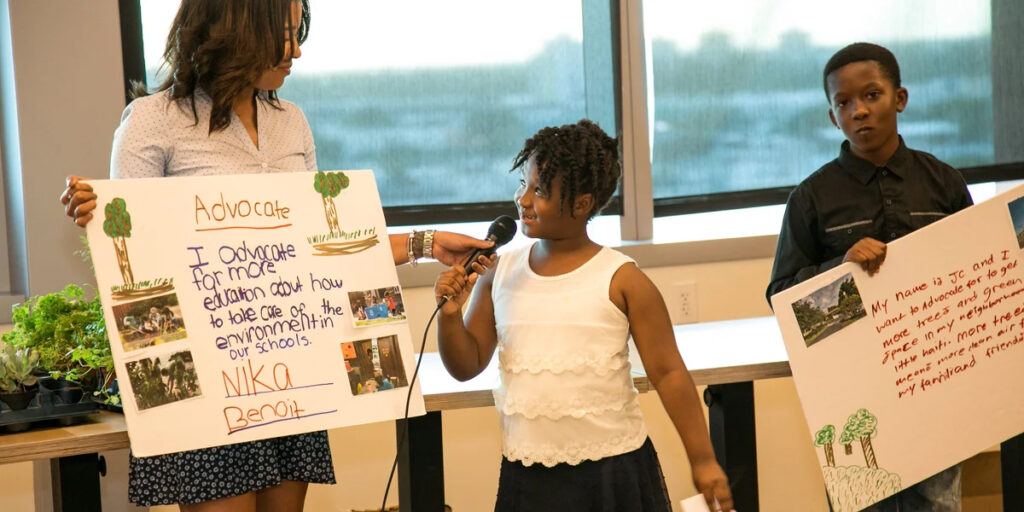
(921, 219)
(838, 239)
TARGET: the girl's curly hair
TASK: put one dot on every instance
(582, 155)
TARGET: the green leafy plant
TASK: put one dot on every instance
(16, 367)
(70, 335)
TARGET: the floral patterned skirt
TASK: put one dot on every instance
(213, 473)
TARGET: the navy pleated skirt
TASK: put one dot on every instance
(631, 481)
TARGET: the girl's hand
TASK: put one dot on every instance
(454, 249)
(79, 200)
(710, 480)
(454, 286)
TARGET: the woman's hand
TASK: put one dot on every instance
(79, 200)
(710, 480)
(454, 249)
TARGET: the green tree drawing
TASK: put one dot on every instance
(824, 438)
(329, 185)
(861, 425)
(118, 226)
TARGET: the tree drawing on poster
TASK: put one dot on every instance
(117, 225)
(824, 438)
(854, 487)
(329, 185)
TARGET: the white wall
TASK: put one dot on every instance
(68, 85)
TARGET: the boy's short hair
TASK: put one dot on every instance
(858, 52)
(583, 154)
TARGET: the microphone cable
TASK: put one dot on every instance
(405, 416)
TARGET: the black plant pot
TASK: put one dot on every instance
(70, 394)
(19, 400)
(51, 383)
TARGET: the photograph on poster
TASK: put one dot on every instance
(828, 309)
(377, 306)
(163, 380)
(374, 365)
(1017, 216)
(147, 322)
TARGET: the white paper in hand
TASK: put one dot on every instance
(695, 504)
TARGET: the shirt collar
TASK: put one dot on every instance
(864, 170)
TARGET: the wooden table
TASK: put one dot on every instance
(74, 465)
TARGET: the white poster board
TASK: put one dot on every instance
(250, 306)
(918, 367)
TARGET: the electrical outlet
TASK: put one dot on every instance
(684, 295)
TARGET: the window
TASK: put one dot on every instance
(738, 106)
(437, 97)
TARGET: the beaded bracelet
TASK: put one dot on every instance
(408, 247)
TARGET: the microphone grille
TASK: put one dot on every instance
(502, 229)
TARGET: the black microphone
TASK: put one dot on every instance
(500, 232)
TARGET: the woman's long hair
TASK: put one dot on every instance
(223, 47)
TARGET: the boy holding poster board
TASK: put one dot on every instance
(876, 191)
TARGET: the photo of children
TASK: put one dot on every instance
(829, 309)
(1017, 216)
(376, 306)
(149, 322)
(374, 365)
(157, 382)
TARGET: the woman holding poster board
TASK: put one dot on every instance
(218, 113)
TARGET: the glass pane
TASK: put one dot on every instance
(738, 101)
(436, 97)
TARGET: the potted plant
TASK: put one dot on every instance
(70, 335)
(17, 380)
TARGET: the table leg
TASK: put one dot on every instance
(1011, 452)
(76, 483)
(421, 465)
(731, 422)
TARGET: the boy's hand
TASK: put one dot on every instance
(710, 480)
(867, 252)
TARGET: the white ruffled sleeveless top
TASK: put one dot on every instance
(566, 393)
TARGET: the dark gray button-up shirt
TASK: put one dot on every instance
(849, 198)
